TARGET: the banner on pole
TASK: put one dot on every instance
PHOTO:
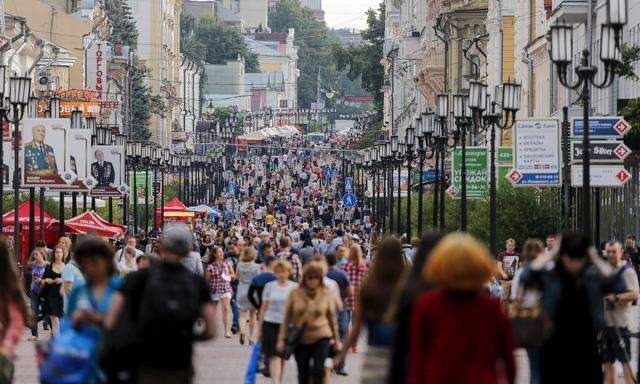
(107, 168)
(79, 153)
(45, 153)
(537, 157)
(141, 181)
(477, 176)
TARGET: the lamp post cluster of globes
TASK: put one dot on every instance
(432, 136)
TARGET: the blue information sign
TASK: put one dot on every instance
(349, 200)
(328, 172)
(232, 188)
(601, 127)
(348, 184)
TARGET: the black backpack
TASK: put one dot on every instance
(169, 306)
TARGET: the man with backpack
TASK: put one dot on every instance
(163, 303)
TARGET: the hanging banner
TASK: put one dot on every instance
(80, 153)
(45, 153)
(537, 156)
(96, 67)
(107, 168)
(7, 164)
(477, 173)
(141, 180)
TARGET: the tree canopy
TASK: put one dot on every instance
(206, 40)
(314, 39)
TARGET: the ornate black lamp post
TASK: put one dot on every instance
(561, 55)
(485, 117)
(410, 141)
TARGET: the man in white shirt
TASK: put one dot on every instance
(131, 241)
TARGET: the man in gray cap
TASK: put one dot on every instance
(166, 300)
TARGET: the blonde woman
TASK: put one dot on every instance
(246, 270)
(52, 282)
(274, 298)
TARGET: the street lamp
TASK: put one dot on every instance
(19, 92)
(410, 141)
(485, 117)
(561, 53)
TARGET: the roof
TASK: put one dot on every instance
(262, 48)
(264, 80)
(280, 37)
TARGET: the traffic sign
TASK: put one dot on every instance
(602, 127)
(452, 191)
(601, 175)
(601, 151)
(476, 172)
(349, 200)
(537, 157)
(348, 184)
(328, 173)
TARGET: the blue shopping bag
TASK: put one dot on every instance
(71, 357)
(252, 369)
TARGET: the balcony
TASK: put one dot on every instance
(571, 11)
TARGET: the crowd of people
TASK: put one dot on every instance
(296, 275)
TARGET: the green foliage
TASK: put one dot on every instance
(208, 41)
(522, 213)
(125, 32)
(631, 111)
(124, 26)
(314, 39)
(363, 61)
(141, 94)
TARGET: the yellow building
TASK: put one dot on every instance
(158, 24)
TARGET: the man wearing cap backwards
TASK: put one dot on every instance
(167, 300)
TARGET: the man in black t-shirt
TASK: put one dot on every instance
(165, 301)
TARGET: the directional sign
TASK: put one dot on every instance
(232, 188)
(537, 160)
(602, 127)
(348, 184)
(601, 151)
(601, 175)
(452, 191)
(349, 200)
(328, 173)
(428, 176)
(505, 155)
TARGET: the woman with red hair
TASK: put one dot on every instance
(459, 334)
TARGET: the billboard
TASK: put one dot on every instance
(106, 164)
(79, 155)
(45, 153)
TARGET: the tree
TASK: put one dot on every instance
(314, 39)
(363, 61)
(125, 32)
(208, 41)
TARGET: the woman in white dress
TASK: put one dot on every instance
(246, 270)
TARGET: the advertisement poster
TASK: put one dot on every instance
(80, 153)
(107, 168)
(7, 164)
(45, 153)
(141, 181)
(537, 158)
(477, 175)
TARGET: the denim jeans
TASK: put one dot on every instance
(35, 310)
(343, 323)
(234, 307)
(534, 365)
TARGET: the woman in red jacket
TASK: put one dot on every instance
(459, 334)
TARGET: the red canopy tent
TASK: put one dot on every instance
(50, 235)
(107, 223)
(91, 223)
(174, 210)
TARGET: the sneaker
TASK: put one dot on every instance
(342, 372)
(33, 338)
(242, 339)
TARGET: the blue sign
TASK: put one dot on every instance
(601, 127)
(349, 200)
(232, 188)
(348, 184)
(328, 173)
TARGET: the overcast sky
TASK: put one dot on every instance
(347, 13)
